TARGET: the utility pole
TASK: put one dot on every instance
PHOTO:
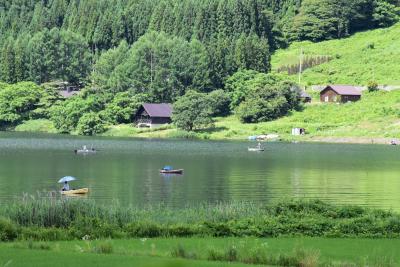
(301, 65)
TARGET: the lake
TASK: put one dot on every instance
(126, 170)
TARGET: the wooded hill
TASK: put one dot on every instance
(46, 40)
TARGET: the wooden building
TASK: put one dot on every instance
(153, 115)
(340, 94)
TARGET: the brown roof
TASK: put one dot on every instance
(344, 89)
(163, 110)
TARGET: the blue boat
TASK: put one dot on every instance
(170, 169)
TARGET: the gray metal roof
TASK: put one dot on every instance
(67, 94)
(304, 94)
(163, 110)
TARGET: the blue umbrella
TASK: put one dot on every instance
(66, 179)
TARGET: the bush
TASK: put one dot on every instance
(90, 124)
(144, 229)
(372, 86)
(8, 232)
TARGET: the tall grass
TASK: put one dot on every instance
(52, 219)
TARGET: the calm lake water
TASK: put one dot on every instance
(127, 170)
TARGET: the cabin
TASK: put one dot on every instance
(153, 115)
(340, 94)
(305, 97)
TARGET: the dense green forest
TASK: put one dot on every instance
(44, 40)
(128, 51)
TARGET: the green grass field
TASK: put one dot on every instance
(160, 252)
(365, 56)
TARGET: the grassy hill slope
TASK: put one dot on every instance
(374, 118)
(366, 56)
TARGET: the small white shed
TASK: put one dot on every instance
(298, 131)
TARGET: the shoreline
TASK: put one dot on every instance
(284, 138)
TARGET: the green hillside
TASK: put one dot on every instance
(375, 118)
(366, 56)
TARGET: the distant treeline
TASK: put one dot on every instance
(45, 40)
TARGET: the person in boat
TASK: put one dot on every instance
(259, 145)
(65, 187)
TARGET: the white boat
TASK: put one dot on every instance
(255, 149)
(258, 148)
(85, 150)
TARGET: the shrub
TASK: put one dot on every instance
(144, 229)
(90, 124)
(372, 86)
(8, 232)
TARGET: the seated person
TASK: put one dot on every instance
(65, 187)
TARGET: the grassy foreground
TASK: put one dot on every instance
(305, 252)
(295, 233)
(363, 57)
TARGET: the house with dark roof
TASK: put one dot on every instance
(340, 94)
(153, 115)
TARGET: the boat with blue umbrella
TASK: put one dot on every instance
(170, 169)
(67, 191)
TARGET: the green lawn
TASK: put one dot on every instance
(15, 257)
(366, 56)
(158, 252)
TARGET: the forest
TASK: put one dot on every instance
(160, 50)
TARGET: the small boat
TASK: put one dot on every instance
(80, 191)
(169, 169)
(393, 143)
(85, 150)
(258, 148)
